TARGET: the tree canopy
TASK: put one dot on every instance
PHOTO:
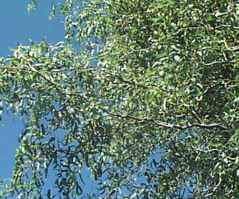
(142, 94)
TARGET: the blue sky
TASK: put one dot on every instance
(18, 26)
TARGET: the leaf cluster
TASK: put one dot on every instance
(149, 104)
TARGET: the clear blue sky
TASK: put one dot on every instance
(18, 26)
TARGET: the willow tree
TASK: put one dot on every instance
(143, 96)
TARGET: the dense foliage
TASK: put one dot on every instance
(143, 95)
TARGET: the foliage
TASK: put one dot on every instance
(149, 104)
